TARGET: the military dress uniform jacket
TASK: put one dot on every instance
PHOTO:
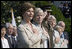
(50, 32)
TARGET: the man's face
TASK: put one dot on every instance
(29, 13)
(14, 31)
(10, 29)
(47, 16)
(48, 13)
(63, 26)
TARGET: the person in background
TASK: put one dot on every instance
(58, 41)
(61, 6)
(47, 26)
(37, 20)
(64, 34)
(4, 41)
(8, 35)
(52, 32)
(27, 34)
(14, 35)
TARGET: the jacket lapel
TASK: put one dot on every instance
(28, 30)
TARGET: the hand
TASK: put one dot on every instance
(35, 31)
(62, 44)
(57, 39)
(66, 41)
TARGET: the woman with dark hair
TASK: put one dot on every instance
(4, 41)
(27, 35)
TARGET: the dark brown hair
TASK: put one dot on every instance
(26, 6)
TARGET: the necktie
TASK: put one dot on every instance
(11, 39)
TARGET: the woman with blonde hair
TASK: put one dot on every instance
(37, 21)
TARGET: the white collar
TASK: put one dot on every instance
(9, 35)
(14, 36)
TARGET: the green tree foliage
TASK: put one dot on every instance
(56, 12)
(7, 5)
(60, 17)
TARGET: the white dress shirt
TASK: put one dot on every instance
(10, 36)
(5, 43)
(15, 37)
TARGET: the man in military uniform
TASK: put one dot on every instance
(48, 27)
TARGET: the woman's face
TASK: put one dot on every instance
(14, 31)
(3, 32)
(52, 22)
(39, 17)
(10, 29)
(29, 14)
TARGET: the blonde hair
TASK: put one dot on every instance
(58, 27)
(52, 17)
(38, 10)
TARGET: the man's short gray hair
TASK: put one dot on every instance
(60, 22)
(8, 24)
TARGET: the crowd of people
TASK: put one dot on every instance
(42, 32)
(66, 9)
